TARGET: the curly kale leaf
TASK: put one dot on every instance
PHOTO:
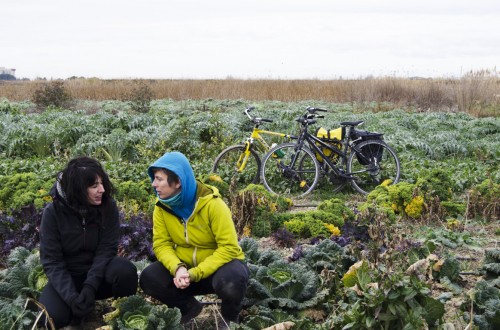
(136, 313)
(260, 317)
(257, 256)
(486, 303)
(167, 318)
(328, 254)
(284, 285)
(14, 314)
(24, 277)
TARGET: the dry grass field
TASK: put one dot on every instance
(477, 93)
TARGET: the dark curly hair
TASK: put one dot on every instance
(79, 174)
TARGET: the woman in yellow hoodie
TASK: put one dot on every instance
(194, 241)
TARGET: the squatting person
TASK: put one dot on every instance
(195, 243)
(79, 242)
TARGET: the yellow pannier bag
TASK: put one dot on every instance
(332, 137)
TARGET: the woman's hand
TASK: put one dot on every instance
(181, 279)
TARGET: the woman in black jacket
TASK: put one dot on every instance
(79, 242)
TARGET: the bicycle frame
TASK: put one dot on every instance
(313, 142)
(257, 136)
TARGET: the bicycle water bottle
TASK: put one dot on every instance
(277, 153)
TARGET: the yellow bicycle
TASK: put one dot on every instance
(239, 165)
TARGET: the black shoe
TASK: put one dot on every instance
(194, 308)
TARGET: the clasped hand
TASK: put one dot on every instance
(181, 279)
(84, 303)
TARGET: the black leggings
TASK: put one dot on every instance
(120, 280)
(229, 282)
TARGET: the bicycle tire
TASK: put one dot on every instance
(383, 165)
(294, 182)
(226, 166)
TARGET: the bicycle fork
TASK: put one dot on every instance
(243, 159)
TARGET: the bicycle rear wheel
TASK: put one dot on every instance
(288, 172)
(236, 168)
(379, 164)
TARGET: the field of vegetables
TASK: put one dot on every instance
(421, 254)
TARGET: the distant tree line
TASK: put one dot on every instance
(6, 76)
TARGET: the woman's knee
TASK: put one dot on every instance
(122, 274)
(231, 282)
(58, 310)
(152, 277)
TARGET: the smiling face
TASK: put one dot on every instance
(95, 192)
(162, 187)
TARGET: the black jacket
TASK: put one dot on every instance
(72, 245)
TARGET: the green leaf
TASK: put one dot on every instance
(387, 317)
(434, 310)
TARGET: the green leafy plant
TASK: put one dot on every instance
(136, 313)
(260, 317)
(491, 264)
(255, 211)
(328, 255)
(291, 287)
(485, 200)
(483, 305)
(257, 257)
(22, 280)
(377, 299)
(23, 189)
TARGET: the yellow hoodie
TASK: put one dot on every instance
(205, 242)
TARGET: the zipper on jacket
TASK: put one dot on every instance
(186, 238)
(195, 263)
(84, 232)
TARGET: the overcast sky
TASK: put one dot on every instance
(276, 39)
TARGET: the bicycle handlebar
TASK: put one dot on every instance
(255, 120)
(313, 110)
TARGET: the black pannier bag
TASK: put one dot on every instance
(359, 136)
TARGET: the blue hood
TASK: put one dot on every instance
(179, 164)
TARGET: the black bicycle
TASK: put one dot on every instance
(354, 156)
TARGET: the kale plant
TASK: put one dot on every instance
(23, 280)
(136, 235)
(292, 287)
(136, 313)
(283, 238)
(491, 264)
(260, 317)
(485, 302)
(19, 229)
(255, 255)
(376, 299)
(328, 255)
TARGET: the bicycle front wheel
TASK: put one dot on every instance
(288, 172)
(236, 167)
(379, 163)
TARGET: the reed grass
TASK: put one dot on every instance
(477, 93)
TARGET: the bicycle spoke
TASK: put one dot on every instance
(293, 174)
(236, 168)
(379, 164)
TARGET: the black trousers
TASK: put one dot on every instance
(120, 280)
(229, 282)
